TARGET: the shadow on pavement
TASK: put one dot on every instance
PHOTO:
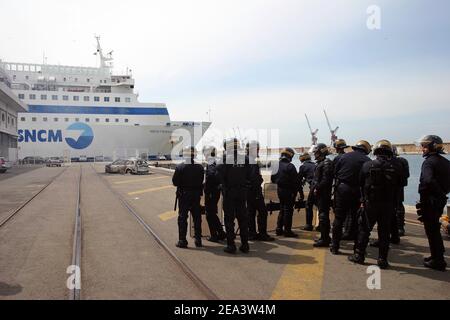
(259, 249)
(9, 290)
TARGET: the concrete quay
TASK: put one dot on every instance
(120, 260)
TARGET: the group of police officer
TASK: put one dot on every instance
(361, 191)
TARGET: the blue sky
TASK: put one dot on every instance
(262, 64)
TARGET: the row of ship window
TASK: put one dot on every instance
(75, 98)
(45, 119)
(75, 79)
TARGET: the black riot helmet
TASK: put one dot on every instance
(340, 144)
(363, 145)
(433, 143)
(383, 147)
(287, 153)
(305, 157)
(320, 151)
(252, 148)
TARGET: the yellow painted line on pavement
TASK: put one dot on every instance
(139, 180)
(168, 215)
(303, 275)
(149, 190)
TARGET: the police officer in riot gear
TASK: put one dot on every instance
(379, 180)
(255, 198)
(234, 175)
(347, 193)
(401, 193)
(398, 220)
(306, 176)
(340, 145)
(212, 195)
(188, 178)
(287, 182)
(321, 188)
(433, 189)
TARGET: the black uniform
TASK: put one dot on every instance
(433, 188)
(188, 178)
(347, 194)
(234, 177)
(212, 196)
(255, 201)
(287, 182)
(379, 180)
(400, 210)
(306, 175)
(348, 222)
(321, 189)
(336, 159)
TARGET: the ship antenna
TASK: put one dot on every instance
(209, 114)
(103, 59)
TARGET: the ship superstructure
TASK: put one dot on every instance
(90, 112)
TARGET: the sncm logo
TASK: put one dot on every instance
(84, 140)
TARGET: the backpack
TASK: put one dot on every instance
(382, 181)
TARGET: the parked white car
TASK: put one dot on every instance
(4, 165)
(54, 162)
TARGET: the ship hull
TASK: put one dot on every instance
(74, 139)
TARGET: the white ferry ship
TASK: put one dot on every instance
(89, 113)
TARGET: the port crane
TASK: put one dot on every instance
(333, 132)
(314, 138)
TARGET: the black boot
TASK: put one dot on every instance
(382, 263)
(401, 232)
(356, 258)
(245, 248)
(335, 250)
(279, 232)
(182, 244)
(231, 248)
(439, 265)
(322, 243)
(426, 259)
(265, 237)
(308, 227)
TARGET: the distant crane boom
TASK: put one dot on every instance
(333, 132)
(313, 133)
(309, 124)
(328, 121)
